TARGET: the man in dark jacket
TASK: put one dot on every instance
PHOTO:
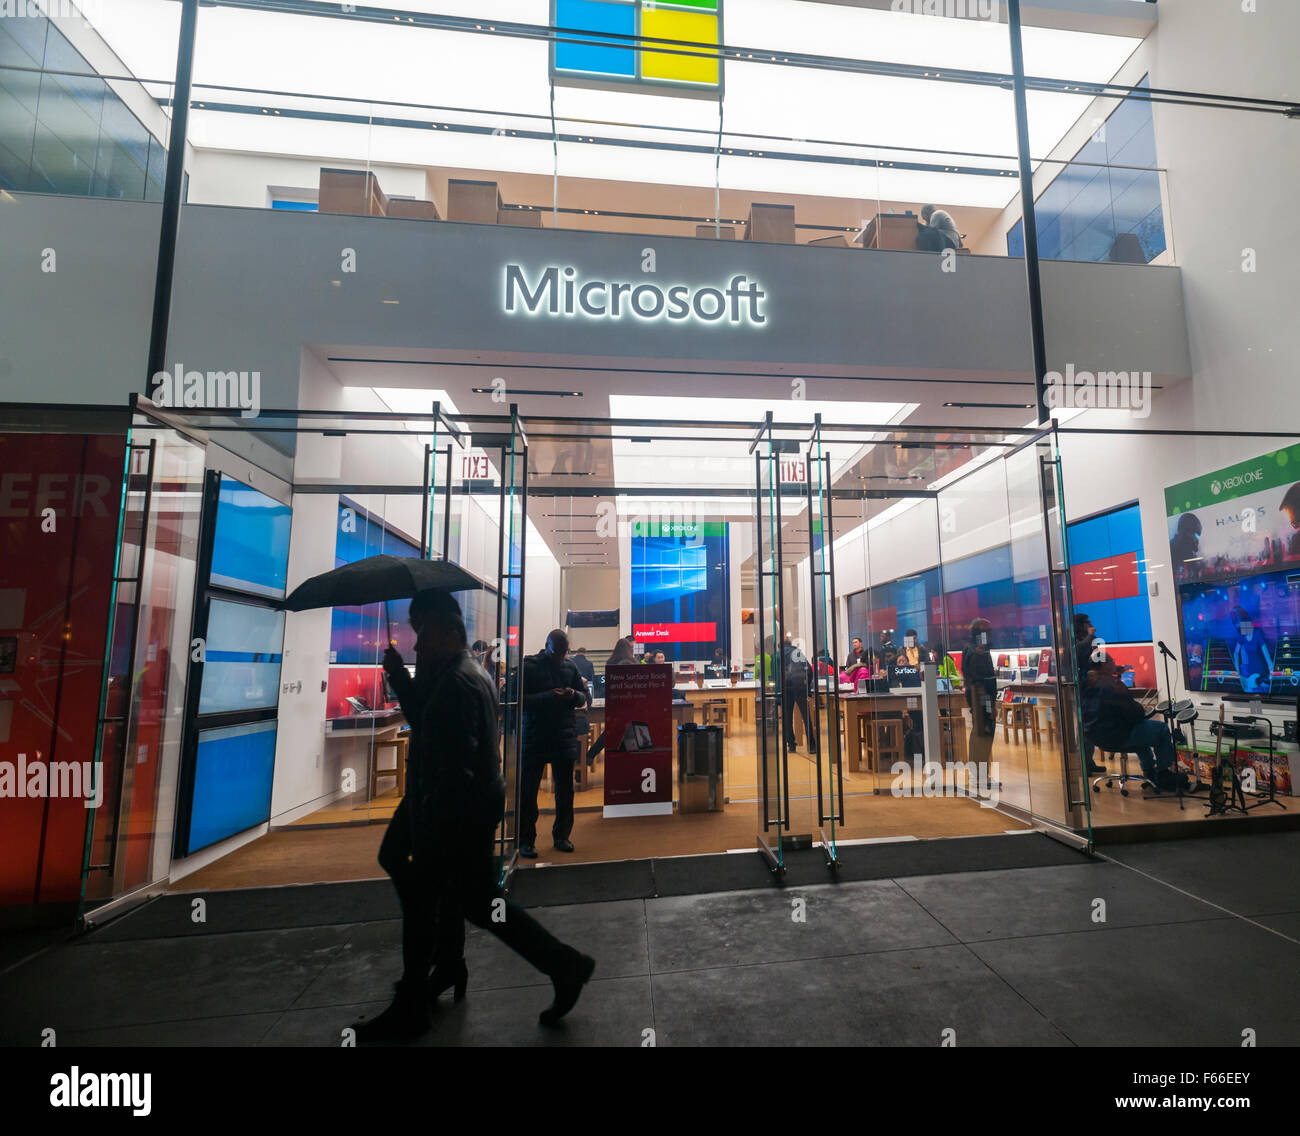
(797, 672)
(980, 679)
(858, 655)
(554, 691)
(454, 801)
(1114, 720)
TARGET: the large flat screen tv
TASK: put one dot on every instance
(250, 552)
(1242, 636)
(1234, 543)
(241, 670)
(232, 782)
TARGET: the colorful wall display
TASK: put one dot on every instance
(681, 597)
(1234, 544)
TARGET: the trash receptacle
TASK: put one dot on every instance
(700, 787)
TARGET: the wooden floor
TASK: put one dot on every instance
(340, 842)
(299, 855)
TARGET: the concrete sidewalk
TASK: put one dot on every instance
(1198, 943)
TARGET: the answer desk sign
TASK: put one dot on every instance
(565, 293)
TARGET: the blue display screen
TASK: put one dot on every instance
(1243, 636)
(232, 782)
(680, 577)
(358, 635)
(250, 552)
(242, 651)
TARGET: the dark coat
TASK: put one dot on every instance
(551, 726)
(860, 658)
(1109, 714)
(798, 670)
(979, 676)
(454, 768)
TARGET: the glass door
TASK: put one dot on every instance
(445, 469)
(507, 649)
(769, 634)
(129, 838)
(1074, 795)
(824, 645)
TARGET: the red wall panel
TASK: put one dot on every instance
(55, 588)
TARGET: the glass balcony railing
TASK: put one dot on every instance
(778, 157)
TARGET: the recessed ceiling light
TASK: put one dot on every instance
(991, 405)
(524, 390)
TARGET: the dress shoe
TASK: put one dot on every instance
(567, 989)
(447, 976)
(406, 1018)
(564, 845)
(528, 851)
(1095, 770)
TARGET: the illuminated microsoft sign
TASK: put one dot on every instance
(561, 292)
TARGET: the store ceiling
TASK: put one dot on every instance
(575, 482)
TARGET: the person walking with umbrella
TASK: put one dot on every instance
(439, 848)
(457, 799)
(428, 936)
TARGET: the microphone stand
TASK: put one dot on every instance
(1173, 741)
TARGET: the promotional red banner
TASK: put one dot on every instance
(638, 740)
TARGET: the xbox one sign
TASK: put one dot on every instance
(561, 292)
(1237, 481)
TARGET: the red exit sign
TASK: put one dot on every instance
(474, 467)
(793, 470)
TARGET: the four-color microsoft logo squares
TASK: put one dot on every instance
(603, 40)
(590, 57)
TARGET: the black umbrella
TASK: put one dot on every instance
(379, 578)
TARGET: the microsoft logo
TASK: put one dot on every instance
(599, 43)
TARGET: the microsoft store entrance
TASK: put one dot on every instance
(786, 579)
(802, 597)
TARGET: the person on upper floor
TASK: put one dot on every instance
(936, 231)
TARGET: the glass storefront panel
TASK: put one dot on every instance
(164, 491)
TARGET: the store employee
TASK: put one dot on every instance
(859, 656)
